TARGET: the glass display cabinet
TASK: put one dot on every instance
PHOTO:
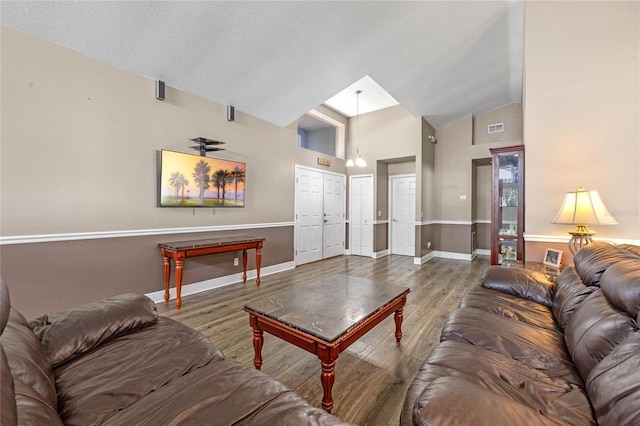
(507, 211)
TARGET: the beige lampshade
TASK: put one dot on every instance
(584, 208)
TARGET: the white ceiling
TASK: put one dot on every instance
(277, 60)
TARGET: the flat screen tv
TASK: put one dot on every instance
(188, 180)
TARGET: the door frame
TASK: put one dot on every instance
(389, 214)
(298, 167)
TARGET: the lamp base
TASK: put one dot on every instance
(580, 237)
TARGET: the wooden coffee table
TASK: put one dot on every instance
(324, 317)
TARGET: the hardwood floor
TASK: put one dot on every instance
(373, 374)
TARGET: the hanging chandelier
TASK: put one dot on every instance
(359, 162)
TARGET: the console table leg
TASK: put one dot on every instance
(397, 317)
(327, 377)
(179, 267)
(244, 265)
(166, 269)
(258, 261)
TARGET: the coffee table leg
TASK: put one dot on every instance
(397, 317)
(327, 377)
(258, 340)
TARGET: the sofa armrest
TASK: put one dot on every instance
(524, 283)
(68, 334)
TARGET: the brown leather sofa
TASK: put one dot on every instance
(116, 362)
(522, 350)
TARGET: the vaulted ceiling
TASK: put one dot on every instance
(277, 60)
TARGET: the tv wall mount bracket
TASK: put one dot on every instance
(206, 145)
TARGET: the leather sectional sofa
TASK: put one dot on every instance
(116, 362)
(521, 350)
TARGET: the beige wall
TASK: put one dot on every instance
(455, 154)
(53, 276)
(453, 170)
(482, 193)
(426, 205)
(581, 121)
(510, 115)
(79, 149)
(402, 168)
(88, 133)
(462, 169)
(389, 140)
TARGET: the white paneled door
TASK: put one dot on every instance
(334, 200)
(361, 215)
(403, 214)
(319, 217)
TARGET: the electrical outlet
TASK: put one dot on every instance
(236, 261)
(429, 244)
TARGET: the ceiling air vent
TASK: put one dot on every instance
(496, 128)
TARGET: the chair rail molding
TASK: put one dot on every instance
(47, 238)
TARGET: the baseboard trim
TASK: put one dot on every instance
(379, 254)
(454, 255)
(483, 252)
(424, 259)
(158, 296)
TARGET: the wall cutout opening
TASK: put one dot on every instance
(321, 133)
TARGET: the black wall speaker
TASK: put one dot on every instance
(160, 90)
(231, 113)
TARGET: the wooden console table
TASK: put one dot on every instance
(179, 251)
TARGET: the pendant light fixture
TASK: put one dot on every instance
(359, 160)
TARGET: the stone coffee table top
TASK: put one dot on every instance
(328, 306)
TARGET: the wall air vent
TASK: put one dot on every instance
(496, 128)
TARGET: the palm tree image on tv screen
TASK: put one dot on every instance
(188, 180)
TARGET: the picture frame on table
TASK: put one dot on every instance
(552, 257)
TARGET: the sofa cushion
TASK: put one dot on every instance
(632, 248)
(595, 328)
(224, 393)
(591, 261)
(621, 285)
(524, 283)
(121, 371)
(5, 304)
(27, 359)
(65, 335)
(568, 292)
(509, 306)
(613, 390)
(468, 385)
(31, 408)
(539, 348)
(8, 412)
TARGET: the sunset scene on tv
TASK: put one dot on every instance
(188, 180)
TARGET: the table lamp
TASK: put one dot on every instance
(582, 208)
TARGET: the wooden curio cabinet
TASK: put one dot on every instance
(507, 210)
